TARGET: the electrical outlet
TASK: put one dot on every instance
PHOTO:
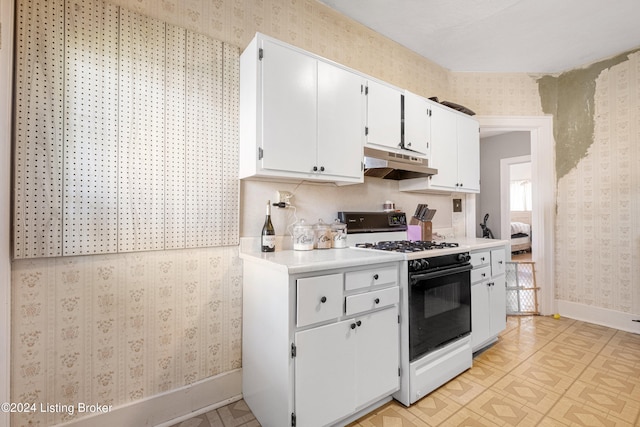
(284, 197)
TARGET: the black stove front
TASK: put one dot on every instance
(439, 302)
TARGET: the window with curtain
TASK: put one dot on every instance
(521, 195)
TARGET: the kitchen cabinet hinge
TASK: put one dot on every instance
(293, 419)
(260, 153)
(366, 130)
(294, 350)
(260, 54)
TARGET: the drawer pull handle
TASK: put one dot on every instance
(377, 300)
(482, 259)
(484, 274)
(323, 300)
(499, 262)
(359, 323)
(375, 277)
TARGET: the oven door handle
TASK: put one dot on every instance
(415, 278)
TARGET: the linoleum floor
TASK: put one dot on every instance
(542, 372)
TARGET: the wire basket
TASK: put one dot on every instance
(522, 291)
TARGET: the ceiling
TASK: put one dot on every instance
(531, 36)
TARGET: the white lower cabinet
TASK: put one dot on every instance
(344, 366)
(488, 297)
(318, 348)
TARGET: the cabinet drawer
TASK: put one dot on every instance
(371, 277)
(480, 274)
(370, 300)
(498, 263)
(318, 299)
(479, 259)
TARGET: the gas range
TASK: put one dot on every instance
(435, 308)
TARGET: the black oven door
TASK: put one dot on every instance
(439, 308)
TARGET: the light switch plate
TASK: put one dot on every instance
(457, 205)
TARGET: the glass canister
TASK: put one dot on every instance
(323, 235)
(303, 236)
(339, 234)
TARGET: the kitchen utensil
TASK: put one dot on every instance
(430, 214)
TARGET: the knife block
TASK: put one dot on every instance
(426, 228)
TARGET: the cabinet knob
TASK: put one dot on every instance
(359, 323)
(315, 169)
(499, 262)
(377, 300)
(321, 168)
(323, 300)
(482, 259)
(484, 274)
(353, 326)
(375, 277)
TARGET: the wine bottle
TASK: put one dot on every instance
(268, 233)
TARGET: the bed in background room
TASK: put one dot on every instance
(520, 231)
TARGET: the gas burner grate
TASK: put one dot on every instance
(407, 245)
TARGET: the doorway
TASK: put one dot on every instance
(543, 181)
(516, 201)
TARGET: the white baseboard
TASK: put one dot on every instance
(599, 316)
(171, 407)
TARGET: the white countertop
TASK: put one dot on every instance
(295, 262)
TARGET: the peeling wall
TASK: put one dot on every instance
(569, 97)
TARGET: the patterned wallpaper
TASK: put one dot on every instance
(309, 25)
(598, 225)
(120, 327)
(117, 328)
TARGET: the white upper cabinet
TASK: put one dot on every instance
(383, 116)
(455, 152)
(301, 118)
(289, 103)
(417, 123)
(340, 117)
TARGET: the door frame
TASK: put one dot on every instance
(543, 179)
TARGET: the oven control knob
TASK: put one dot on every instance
(424, 264)
(463, 257)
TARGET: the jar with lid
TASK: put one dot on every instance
(303, 236)
(339, 234)
(322, 235)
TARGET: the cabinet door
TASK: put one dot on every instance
(340, 121)
(383, 115)
(468, 154)
(498, 262)
(325, 374)
(444, 152)
(289, 101)
(498, 304)
(417, 123)
(377, 359)
(480, 314)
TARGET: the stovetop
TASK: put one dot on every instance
(407, 246)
